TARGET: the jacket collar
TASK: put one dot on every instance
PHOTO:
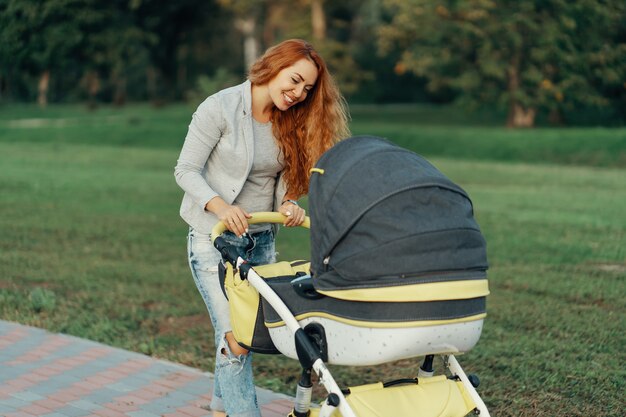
(247, 123)
(247, 98)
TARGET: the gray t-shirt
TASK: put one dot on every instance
(258, 191)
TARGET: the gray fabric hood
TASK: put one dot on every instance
(384, 216)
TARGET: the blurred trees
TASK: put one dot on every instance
(246, 14)
(109, 50)
(36, 39)
(534, 58)
(530, 56)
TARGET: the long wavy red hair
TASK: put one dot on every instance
(305, 131)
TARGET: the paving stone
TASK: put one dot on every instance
(28, 396)
(70, 411)
(9, 372)
(44, 390)
(73, 377)
(85, 405)
(13, 402)
(142, 413)
(6, 409)
(121, 387)
(102, 396)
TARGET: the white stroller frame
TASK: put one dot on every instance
(308, 353)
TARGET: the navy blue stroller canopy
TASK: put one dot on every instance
(384, 216)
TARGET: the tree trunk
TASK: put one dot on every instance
(44, 83)
(556, 117)
(153, 86)
(151, 83)
(250, 47)
(92, 84)
(181, 71)
(519, 115)
(318, 20)
(181, 81)
(119, 94)
(273, 22)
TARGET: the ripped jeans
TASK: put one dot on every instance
(233, 389)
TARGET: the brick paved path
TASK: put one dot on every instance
(55, 375)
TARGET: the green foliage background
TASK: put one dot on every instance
(551, 58)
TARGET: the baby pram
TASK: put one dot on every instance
(398, 270)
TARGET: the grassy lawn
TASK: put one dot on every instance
(91, 245)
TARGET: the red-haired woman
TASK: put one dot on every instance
(249, 148)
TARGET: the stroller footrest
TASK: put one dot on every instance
(430, 397)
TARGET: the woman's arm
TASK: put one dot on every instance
(234, 218)
(205, 131)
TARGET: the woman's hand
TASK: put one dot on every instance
(295, 214)
(234, 218)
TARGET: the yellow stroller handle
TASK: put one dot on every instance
(259, 217)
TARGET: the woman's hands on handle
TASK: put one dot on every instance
(295, 214)
(234, 218)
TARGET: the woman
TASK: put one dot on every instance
(249, 148)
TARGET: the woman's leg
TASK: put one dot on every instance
(234, 390)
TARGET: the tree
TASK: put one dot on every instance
(331, 30)
(315, 20)
(38, 39)
(56, 42)
(114, 48)
(246, 15)
(318, 20)
(188, 38)
(529, 56)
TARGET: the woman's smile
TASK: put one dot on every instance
(288, 99)
(292, 84)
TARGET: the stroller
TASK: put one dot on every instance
(398, 270)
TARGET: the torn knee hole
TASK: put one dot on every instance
(232, 346)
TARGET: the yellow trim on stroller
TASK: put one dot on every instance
(380, 325)
(430, 291)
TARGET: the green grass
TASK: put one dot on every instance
(91, 245)
(454, 134)
(430, 131)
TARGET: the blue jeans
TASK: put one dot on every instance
(233, 389)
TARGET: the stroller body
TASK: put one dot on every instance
(398, 270)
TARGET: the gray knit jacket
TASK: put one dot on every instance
(217, 155)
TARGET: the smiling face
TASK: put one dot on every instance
(292, 84)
